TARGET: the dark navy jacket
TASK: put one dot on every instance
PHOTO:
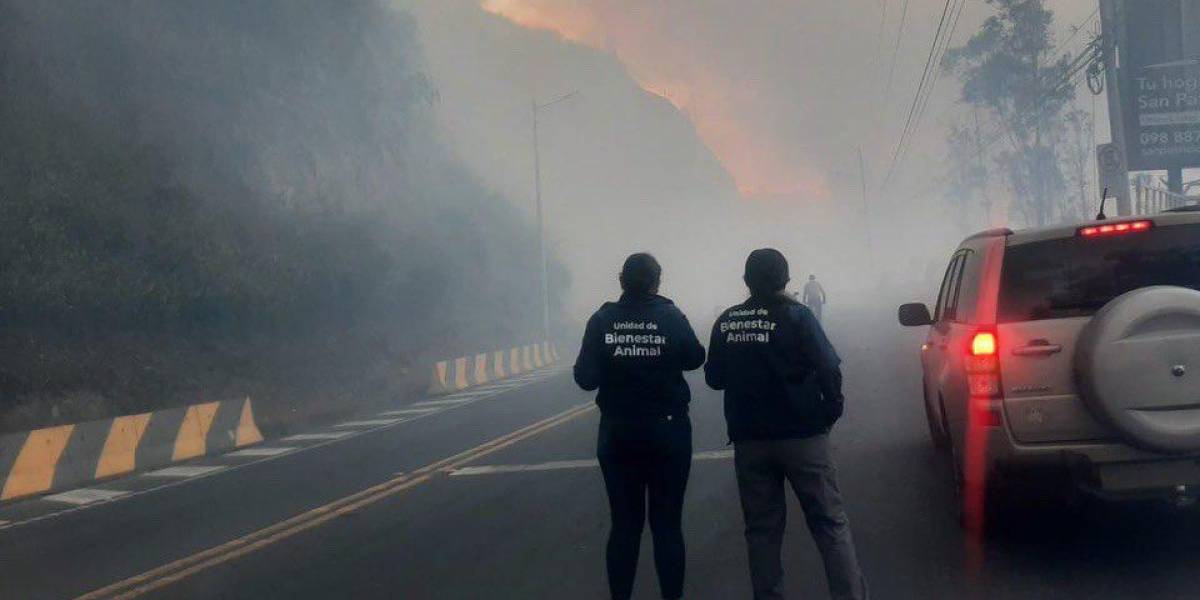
(779, 371)
(635, 351)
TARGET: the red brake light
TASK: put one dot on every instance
(983, 344)
(983, 375)
(1114, 228)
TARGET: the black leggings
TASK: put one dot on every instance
(639, 460)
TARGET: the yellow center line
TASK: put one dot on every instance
(185, 567)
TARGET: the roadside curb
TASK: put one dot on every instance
(54, 458)
(465, 372)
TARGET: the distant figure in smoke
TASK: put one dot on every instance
(635, 351)
(783, 393)
(814, 296)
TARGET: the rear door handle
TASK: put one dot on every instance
(1037, 350)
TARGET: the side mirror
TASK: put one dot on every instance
(914, 314)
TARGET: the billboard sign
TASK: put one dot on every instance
(1159, 58)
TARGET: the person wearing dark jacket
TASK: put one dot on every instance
(635, 351)
(783, 393)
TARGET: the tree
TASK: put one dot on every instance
(1011, 72)
(1078, 153)
(969, 176)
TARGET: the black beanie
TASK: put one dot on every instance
(766, 271)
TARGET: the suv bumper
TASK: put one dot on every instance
(1107, 468)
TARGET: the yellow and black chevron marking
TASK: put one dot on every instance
(43, 460)
(469, 371)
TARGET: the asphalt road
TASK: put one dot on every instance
(523, 515)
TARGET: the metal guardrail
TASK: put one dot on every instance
(1151, 200)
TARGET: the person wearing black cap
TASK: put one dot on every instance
(783, 393)
(635, 351)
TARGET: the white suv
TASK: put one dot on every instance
(1073, 350)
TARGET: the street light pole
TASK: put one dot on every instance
(541, 224)
(541, 220)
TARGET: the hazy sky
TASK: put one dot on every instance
(747, 137)
(782, 91)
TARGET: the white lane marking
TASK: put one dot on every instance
(408, 411)
(441, 402)
(83, 496)
(304, 437)
(549, 466)
(474, 394)
(322, 439)
(530, 377)
(504, 388)
(262, 451)
(565, 464)
(184, 471)
(368, 423)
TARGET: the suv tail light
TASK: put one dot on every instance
(983, 378)
(983, 343)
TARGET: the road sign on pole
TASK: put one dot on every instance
(1110, 164)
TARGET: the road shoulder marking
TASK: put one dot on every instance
(321, 440)
(409, 411)
(442, 402)
(307, 437)
(83, 496)
(185, 471)
(368, 423)
(185, 567)
(262, 451)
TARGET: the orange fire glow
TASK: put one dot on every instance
(712, 101)
(566, 19)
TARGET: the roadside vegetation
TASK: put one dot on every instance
(1021, 114)
(205, 200)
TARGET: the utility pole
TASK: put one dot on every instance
(541, 221)
(1175, 180)
(1111, 28)
(862, 175)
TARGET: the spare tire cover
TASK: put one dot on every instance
(1138, 367)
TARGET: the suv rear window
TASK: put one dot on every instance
(1075, 277)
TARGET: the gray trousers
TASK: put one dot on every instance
(762, 467)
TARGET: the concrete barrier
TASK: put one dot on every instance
(55, 458)
(466, 372)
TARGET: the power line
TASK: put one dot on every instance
(1080, 27)
(920, 90)
(1065, 81)
(883, 6)
(993, 137)
(925, 77)
(887, 90)
(935, 76)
